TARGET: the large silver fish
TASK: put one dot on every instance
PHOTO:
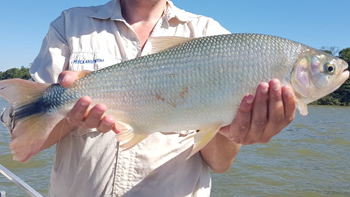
(187, 84)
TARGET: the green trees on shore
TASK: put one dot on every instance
(339, 97)
(22, 73)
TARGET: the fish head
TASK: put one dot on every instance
(316, 74)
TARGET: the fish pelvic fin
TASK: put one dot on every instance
(302, 107)
(202, 137)
(127, 134)
(32, 126)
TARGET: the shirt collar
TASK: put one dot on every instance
(174, 12)
(112, 10)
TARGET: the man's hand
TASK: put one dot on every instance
(81, 115)
(259, 119)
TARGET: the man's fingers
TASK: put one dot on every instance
(77, 114)
(289, 103)
(95, 115)
(67, 78)
(240, 126)
(275, 121)
(257, 121)
(260, 113)
(106, 124)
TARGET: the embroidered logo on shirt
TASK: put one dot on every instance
(88, 61)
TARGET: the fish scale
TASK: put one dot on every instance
(188, 84)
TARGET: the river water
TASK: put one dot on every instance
(311, 157)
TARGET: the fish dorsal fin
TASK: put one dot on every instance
(163, 43)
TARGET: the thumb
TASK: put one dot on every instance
(67, 78)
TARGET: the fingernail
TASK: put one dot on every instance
(109, 120)
(84, 104)
(276, 87)
(264, 87)
(249, 98)
(64, 79)
(286, 93)
(264, 90)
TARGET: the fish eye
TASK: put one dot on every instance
(329, 68)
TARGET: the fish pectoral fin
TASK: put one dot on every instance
(202, 137)
(127, 134)
(163, 43)
(302, 107)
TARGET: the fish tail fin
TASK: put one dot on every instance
(19, 92)
(32, 123)
(30, 134)
(127, 134)
(202, 137)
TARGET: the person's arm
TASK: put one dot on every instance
(257, 121)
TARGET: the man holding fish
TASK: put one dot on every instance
(88, 159)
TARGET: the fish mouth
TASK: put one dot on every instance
(346, 72)
(344, 75)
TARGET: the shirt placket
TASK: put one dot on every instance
(125, 161)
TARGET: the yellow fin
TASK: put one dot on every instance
(134, 140)
(202, 137)
(126, 131)
(163, 43)
(127, 134)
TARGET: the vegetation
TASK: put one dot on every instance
(339, 97)
(22, 73)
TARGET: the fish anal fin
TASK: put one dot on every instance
(30, 134)
(133, 141)
(127, 135)
(126, 131)
(163, 43)
(202, 137)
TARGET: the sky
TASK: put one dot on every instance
(317, 23)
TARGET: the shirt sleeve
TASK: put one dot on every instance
(54, 54)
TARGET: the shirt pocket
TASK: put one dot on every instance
(91, 61)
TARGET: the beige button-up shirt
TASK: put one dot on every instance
(89, 163)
